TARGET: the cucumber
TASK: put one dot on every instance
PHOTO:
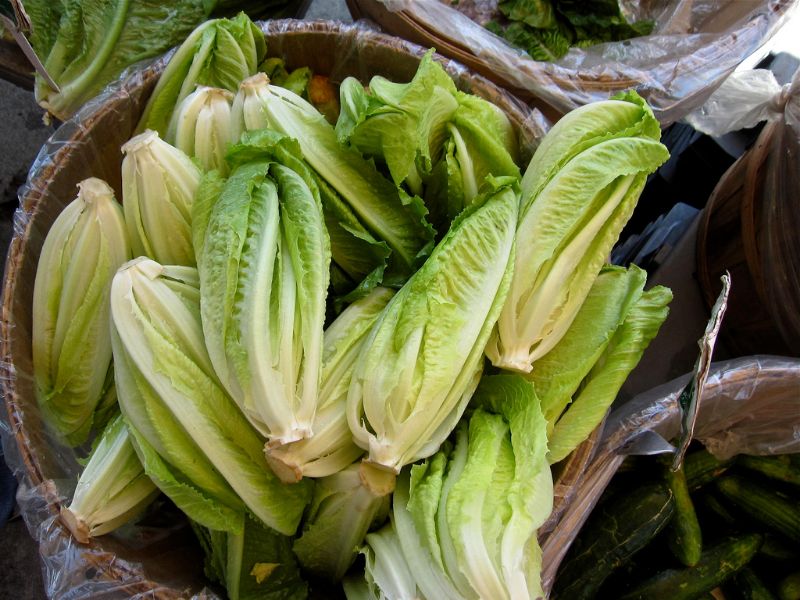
(702, 467)
(716, 564)
(789, 588)
(772, 508)
(775, 467)
(615, 532)
(775, 548)
(749, 586)
(718, 509)
(684, 537)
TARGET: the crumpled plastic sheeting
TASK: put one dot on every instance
(158, 557)
(750, 405)
(695, 45)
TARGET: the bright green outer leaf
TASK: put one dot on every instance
(264, 272)
(342, 511)
(625, 116)
(447, 543)
(331, 448)
(208, 192)
(432, 334)
(201, 127)
(98, 39)
(475, 512)
(530, 494)
(71, 346)
(159, 183)
(397, 123)
(384, 211)
(558, 374)
(259, 564)
(423, 557)
(445, 190)
(219, 53)
(386, 571)
(610, 372)
(565, 237)
(163, 340)
(484, 144)
(353, 248)
(112, 487)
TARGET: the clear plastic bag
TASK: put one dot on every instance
(158, 557)
(750, 405)
(694, 46)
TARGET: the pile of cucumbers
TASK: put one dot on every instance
(723, 529)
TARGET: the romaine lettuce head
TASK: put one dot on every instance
(201, 127)
(86, 45)
(159, 182)
(193, 441)
(436, 141)
(401, 125)
(345, 506)
(421, 362)
(578, 192)
(263, 263)
(219, 53)
(361, 257)
(112, 489)
(331, 448)
(70, 342)
(466, 519)
(388, 213)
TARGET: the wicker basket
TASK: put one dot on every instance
(733, 235)
(675, 74)
(163, 561)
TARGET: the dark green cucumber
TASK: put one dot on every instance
(789, 588)
(716, 564)
(775, 467)
(776, 548)
(702, 467)
(772, 508)
(749, 586)
(719, 510)
(613, 534)
(683, 533)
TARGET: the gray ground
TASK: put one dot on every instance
(22, 133)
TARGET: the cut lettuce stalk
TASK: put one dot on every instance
(263, 264)
(70, 342)
(432, 333)
(192, 439)
(345, 506)
(331, 448)
(113, 488)
(393, 217)
(201, 127)
(159, 182)
(574, 207)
